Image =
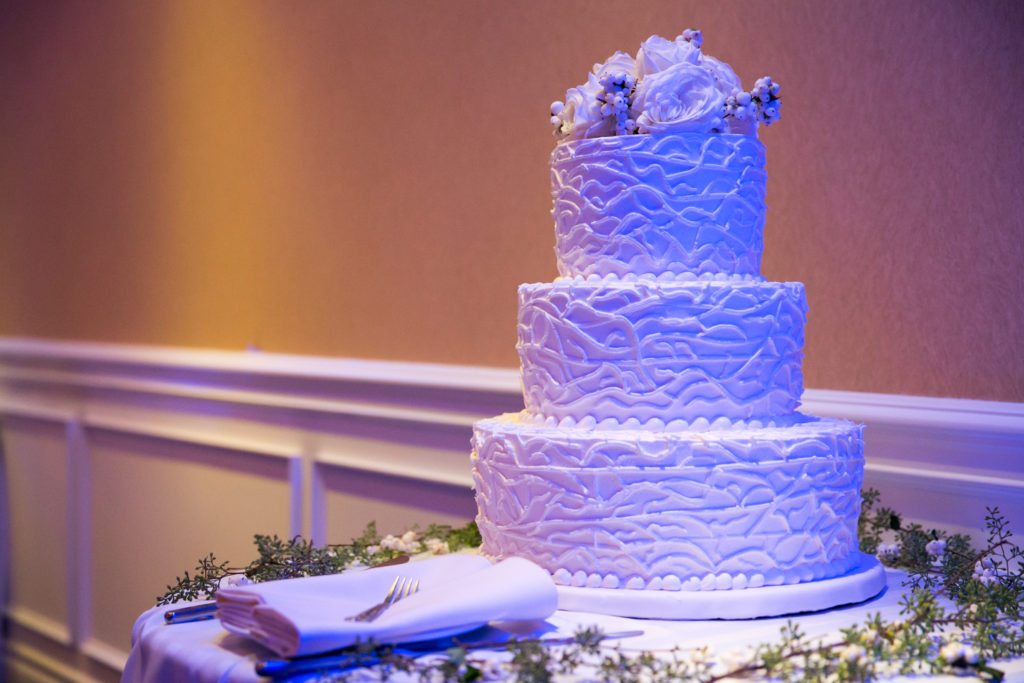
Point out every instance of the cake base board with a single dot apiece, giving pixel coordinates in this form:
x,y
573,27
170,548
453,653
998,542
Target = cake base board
x,y
864,581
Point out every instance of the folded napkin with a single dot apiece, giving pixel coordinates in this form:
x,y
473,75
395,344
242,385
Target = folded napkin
x,y
457,593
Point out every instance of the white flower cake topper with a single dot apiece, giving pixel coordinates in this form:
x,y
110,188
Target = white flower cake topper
x,y
669,87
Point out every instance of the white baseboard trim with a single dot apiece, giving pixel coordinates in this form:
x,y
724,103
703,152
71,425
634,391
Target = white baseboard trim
x,y
43,666
112,657
50,665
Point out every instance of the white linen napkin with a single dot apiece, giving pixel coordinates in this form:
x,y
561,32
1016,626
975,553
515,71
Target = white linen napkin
x,y
457,593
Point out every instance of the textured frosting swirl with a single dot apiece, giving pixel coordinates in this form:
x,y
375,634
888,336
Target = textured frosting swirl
x,y
664,510
688,202
668,350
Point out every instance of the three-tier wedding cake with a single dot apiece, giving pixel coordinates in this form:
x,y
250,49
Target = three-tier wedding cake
x,y
660,467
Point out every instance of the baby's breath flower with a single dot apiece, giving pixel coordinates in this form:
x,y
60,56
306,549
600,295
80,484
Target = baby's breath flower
x,y
888,552
233,581
852,653
492,670
952,651
986,572
437,546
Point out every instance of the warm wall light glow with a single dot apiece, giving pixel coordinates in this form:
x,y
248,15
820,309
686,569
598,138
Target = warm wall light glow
x,y
371,179
223,135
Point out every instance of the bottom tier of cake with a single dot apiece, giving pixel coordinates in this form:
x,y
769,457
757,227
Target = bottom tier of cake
x,y
672,510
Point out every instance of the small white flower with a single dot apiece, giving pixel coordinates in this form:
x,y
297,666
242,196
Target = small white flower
x,y
492,670
986,572
852,653
888,551
234,581
372,550
437,546
936,547
409,536
952,651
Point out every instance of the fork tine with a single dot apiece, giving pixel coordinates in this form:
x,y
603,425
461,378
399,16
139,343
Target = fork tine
x,y
401,583
401,587
392,591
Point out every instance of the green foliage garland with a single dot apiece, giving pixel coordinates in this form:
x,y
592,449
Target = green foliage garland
x,y
962,613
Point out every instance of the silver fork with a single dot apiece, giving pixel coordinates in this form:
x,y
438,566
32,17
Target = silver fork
x,y
401,587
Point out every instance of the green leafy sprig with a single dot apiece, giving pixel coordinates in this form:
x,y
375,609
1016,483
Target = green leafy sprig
x,y
962,613
279,558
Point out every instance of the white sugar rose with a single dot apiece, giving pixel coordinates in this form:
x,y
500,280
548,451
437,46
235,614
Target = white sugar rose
x,y
682,98
620,62
581,117
657,54
725,78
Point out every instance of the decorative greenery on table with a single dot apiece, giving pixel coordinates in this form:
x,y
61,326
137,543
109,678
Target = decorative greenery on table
x,y
963,611
288,559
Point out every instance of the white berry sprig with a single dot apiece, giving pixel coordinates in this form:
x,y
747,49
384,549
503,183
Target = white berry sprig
x,y
740,106
617,99
762,104
766,95
694,37
557,107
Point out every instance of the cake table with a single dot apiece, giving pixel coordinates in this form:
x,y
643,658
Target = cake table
x,y
205,652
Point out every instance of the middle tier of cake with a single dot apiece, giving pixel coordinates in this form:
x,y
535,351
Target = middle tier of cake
x,y
667,351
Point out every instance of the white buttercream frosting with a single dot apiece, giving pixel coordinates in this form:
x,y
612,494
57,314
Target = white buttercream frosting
x,y
667,350
687,203
671,509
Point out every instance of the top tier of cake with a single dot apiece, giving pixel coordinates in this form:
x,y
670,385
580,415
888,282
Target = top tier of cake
x,y
687,203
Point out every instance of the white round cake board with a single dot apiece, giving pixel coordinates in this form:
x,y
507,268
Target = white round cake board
x,y
864,581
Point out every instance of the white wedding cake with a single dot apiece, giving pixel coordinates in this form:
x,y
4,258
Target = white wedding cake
x,y
661,451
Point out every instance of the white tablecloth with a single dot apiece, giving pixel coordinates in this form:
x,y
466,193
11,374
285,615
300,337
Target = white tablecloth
x,y
204,651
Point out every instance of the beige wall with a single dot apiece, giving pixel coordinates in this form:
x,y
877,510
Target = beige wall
x,y
369,179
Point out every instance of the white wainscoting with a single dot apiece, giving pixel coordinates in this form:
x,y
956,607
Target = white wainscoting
x,y
122,465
